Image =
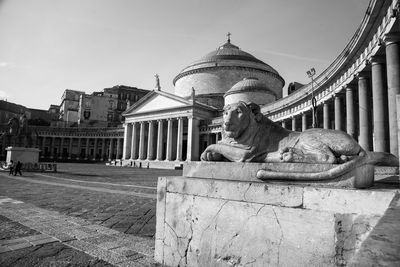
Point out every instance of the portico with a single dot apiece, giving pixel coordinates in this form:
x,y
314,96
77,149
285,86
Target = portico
x,y
164,127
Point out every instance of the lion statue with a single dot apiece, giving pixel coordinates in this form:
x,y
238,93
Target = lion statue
x,y
248,136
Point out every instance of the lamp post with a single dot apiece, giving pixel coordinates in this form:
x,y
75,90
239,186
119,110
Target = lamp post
x,y
311,74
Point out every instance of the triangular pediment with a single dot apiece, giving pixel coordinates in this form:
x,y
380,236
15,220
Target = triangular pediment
x,y
156,101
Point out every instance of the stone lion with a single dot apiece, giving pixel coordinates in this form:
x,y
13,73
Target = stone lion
x,y
248,136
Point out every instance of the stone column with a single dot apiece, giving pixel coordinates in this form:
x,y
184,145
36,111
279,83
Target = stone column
x,y
350,125
103,149
95,149
294,123
363,108
393,83
179,143
326,115
283,123
398,116
209,139
3,151
87,148
338,113
61,148
127,141
379,104
110,150
79,147
119,144
160,140
150,141
43,146
142,153
53,143
70,148
169,140
303,121
193,140
134,141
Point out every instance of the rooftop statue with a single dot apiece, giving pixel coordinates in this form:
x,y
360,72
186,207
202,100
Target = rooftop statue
x,y
18,128
248,136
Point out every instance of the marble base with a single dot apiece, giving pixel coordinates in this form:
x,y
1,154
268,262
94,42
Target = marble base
x,y
152,164
22,154
234,222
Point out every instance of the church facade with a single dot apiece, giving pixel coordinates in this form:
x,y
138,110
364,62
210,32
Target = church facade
x,y
176,127
356,94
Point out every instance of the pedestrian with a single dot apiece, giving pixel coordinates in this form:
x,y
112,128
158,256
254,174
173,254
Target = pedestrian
x,y
18,168
11,166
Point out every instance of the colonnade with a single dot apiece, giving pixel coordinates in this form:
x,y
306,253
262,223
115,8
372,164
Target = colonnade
x,y
171,139
366,107
80,148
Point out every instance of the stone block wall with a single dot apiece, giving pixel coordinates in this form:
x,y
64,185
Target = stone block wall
x,y
218,222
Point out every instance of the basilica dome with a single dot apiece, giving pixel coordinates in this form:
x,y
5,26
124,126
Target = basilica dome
x,y
215,73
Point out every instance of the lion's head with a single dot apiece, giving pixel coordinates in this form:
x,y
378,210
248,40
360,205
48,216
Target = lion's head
x,y
238,117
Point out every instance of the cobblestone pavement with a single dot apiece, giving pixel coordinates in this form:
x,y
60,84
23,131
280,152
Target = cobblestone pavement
x,y
84,215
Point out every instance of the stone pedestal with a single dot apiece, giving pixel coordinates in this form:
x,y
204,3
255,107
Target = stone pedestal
x,y
22,154
244,222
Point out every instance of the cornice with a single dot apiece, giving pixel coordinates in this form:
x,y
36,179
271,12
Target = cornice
x,y
213,68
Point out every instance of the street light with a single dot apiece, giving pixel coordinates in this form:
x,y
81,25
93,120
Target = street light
x,y
311,74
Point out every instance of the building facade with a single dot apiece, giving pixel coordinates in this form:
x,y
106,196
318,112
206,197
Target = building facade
x,y
356,94
98,109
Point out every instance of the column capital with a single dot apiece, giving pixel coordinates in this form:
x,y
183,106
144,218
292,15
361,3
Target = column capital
x,y
391,38
377,59
150,122
349,87
361,75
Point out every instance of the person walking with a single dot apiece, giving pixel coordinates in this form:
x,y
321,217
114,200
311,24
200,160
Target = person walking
x,y
18,168
11,166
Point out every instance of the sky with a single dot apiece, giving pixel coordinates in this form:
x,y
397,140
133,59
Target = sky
x,y
47,46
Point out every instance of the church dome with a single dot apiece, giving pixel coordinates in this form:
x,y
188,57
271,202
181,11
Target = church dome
x,y
250,90
229,51
215,73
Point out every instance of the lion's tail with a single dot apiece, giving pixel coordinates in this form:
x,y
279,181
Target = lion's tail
x,y
370,158
266,174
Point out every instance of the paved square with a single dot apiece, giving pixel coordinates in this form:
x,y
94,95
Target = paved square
x,y
83,207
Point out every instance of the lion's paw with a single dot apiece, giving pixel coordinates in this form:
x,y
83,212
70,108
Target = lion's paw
x,y
211,156
287,156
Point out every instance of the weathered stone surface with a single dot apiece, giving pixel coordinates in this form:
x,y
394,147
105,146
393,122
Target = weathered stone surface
x,y
368,202
160,214
278,195
221,222
213,232
351,231
382,246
